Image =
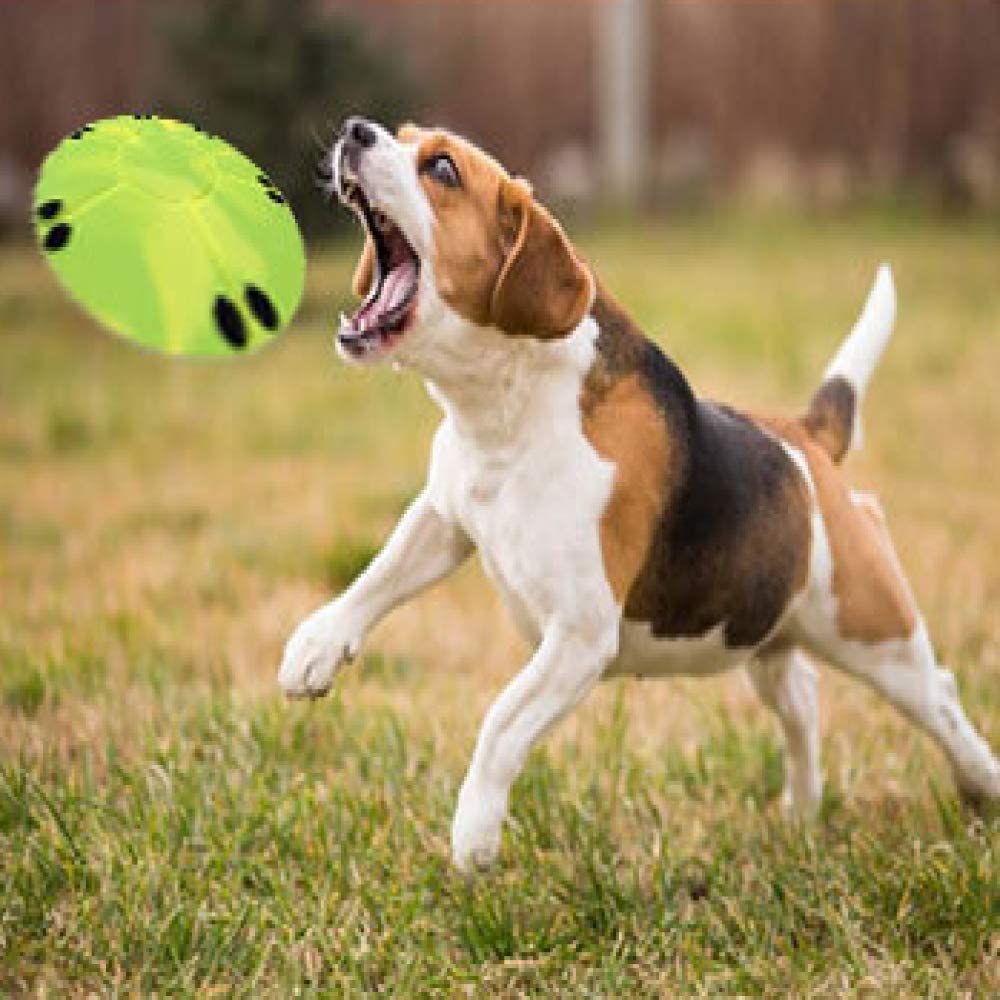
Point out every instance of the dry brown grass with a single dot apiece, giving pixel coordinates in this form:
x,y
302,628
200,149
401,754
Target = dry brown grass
x,y
164,524
189,507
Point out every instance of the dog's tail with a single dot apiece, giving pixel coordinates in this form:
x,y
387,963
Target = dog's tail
x,y
833,418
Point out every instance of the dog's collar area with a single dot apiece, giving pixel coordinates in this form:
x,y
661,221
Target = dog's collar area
x,y
382,318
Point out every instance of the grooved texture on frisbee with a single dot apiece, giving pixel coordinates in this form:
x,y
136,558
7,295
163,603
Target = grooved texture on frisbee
x,y
169,236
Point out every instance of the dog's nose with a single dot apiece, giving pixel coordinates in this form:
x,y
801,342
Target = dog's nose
x,y
358,132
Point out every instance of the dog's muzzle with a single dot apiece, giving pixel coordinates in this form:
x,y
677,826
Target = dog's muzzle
x,y
389,308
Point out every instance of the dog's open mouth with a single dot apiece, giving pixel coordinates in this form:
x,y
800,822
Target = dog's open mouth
x,y
383,317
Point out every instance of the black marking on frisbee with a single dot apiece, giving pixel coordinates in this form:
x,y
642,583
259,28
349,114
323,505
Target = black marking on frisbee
x,y
49,209
229,322
262,307
57,237
276,196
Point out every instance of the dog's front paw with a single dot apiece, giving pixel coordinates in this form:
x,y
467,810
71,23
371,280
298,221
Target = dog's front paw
x,y
318,648
475,832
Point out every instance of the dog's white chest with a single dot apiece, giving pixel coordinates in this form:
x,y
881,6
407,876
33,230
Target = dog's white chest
x,y
526,535
489,501
533,515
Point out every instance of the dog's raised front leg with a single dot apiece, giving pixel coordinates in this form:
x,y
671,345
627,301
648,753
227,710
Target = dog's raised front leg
x,y
423,549
565,666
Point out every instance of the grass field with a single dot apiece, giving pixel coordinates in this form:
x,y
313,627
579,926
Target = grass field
x,y
168,825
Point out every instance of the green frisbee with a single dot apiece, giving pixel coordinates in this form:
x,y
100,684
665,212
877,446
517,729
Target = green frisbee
x,y
169,236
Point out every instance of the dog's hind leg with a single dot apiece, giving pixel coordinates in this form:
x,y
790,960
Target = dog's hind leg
x,y
786,683
862,618
908,675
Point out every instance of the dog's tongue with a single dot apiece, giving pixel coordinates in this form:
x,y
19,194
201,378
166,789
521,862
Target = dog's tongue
x,y
395,287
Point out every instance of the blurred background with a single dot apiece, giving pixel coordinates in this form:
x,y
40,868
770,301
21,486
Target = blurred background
x,y
818,105
735,170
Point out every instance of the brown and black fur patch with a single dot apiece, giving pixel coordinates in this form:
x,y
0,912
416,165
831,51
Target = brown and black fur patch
x,y
735,548
729,542
830,417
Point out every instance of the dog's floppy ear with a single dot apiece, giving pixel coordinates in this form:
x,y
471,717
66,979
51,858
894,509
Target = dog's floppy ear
x,y
543,289
365,269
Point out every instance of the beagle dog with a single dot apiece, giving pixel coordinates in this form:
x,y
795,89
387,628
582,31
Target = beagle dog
x,y
630,526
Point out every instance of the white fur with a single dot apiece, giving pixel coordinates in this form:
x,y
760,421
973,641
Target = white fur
x,y
646,655
512,443
857,357
422,550
904,671
509,452
786,683
513,475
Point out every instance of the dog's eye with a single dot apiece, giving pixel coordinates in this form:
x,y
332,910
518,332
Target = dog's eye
x,y
442,168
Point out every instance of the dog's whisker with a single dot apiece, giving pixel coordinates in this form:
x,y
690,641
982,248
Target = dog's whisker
x,y
324,145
